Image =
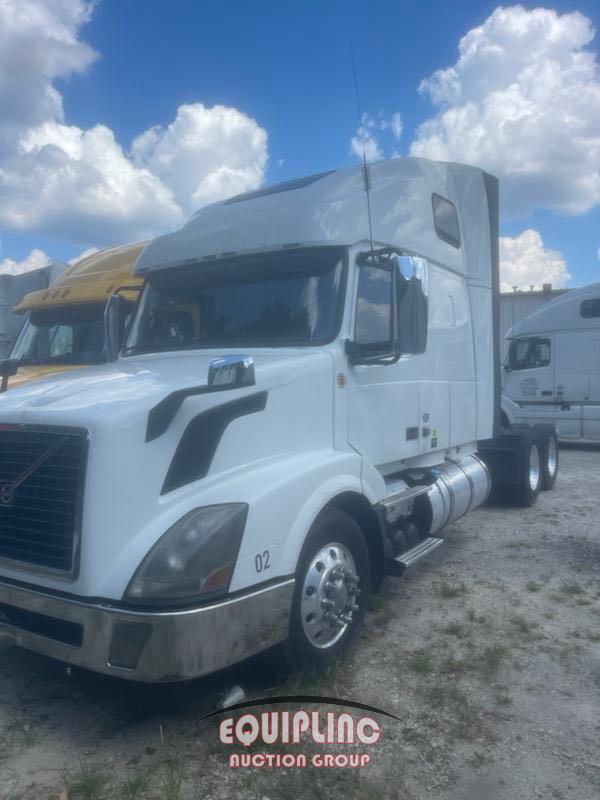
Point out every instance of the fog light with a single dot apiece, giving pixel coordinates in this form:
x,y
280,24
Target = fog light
x,y
128,641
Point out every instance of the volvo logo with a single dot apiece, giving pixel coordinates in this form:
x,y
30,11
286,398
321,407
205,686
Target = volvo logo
x,y
7,494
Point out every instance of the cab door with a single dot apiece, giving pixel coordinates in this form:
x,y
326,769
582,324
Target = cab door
x,y
384,393
529,380
529,369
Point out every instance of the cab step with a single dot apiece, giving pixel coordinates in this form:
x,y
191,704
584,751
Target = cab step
x,y
419,551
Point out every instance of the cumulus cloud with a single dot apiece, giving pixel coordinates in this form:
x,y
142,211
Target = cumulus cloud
x,y
35,260
38,44
396,125
205,154
82,184
364,143
79,184
366,138
525,262
89,251
523,101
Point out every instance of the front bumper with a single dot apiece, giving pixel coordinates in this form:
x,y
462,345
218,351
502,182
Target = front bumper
x,y
146,646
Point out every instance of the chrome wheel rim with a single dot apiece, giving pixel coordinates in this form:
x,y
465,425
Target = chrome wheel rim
x,y
329,593
534,467
552,457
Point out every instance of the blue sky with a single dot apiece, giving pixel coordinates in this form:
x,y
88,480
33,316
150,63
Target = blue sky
x,y
286,66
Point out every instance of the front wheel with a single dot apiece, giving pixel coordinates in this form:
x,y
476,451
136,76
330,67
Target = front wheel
x,y
331,593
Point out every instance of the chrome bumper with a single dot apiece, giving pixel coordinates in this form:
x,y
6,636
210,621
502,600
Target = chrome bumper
x,y
146,646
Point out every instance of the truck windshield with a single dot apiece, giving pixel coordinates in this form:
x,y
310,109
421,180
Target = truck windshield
x,y
62,336
271,300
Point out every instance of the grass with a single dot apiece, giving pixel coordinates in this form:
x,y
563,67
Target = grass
x,y
571,588
173,781
493,657
450,590
314,682
532,586
503,699
378,601
521,623
453,665
133,787
556,597
12,793
421,662
457,705
87,783
455,629
412,736
479,759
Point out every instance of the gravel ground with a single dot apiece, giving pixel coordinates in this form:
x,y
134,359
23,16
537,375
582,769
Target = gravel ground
x,y
488,653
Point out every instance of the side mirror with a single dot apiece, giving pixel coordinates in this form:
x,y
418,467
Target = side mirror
x,y
8,368
507,367
231,372
114,321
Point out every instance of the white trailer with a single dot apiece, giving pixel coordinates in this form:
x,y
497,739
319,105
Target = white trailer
x,y
552,371
12,289
308,394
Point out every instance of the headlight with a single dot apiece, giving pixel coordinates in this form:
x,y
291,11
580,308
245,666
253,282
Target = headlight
x,y
194,558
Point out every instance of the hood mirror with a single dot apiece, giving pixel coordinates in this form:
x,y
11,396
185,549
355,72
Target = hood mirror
x,y
231,372
8,368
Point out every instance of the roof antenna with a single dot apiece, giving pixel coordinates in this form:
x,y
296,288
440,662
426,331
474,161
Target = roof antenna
x,y
366,177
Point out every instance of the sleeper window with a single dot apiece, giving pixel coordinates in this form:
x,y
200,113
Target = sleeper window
x,y
445,220
590,308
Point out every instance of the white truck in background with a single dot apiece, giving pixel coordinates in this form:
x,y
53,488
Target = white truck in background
x,y
552,370
308,395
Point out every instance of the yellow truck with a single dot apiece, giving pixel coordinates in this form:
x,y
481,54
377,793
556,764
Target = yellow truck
x,y
65,327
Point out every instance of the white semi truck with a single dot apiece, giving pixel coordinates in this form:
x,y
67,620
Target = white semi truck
x,y
308,394
552,371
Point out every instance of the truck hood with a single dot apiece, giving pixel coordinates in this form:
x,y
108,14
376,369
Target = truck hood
x,y
127,504
35,372
132,386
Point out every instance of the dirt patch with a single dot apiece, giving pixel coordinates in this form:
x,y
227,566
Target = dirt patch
x,y
488,653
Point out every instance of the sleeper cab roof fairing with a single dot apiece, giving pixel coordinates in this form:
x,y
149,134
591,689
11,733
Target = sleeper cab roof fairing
x,y
89,280
330,209
562,313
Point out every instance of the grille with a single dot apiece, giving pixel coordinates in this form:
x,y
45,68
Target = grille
x,y
41,486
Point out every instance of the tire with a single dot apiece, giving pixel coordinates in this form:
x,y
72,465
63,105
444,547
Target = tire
x,y
334,541
549,453
530,469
